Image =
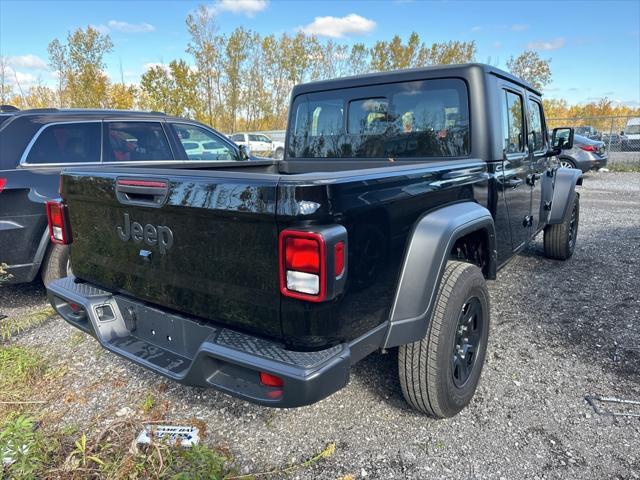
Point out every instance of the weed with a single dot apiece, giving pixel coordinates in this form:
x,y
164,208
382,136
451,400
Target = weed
x,y
624,167
22,448
19,367
4,275
148,403
77,338
12,326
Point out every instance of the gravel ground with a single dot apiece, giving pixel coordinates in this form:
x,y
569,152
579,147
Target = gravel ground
x,y
561,330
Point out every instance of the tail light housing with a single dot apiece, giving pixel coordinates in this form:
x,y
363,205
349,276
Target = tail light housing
x,y
313,264
59,226
589,148
3,183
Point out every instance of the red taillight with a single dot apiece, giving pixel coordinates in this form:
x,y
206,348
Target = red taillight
x,y
302,265
338,259
588,148
58,218
269,380
3,182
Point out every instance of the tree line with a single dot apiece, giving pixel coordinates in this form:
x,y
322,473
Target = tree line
x,y
236,81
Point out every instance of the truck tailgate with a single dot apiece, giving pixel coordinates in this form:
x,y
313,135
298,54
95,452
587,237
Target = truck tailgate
x,y
205,245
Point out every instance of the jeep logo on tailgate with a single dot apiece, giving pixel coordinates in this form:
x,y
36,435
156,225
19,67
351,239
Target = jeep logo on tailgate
x,y
150,234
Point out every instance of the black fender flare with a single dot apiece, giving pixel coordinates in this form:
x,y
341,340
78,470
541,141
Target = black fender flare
x,y
564,193
426,255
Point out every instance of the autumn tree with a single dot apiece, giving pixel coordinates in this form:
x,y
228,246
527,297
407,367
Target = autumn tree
x,y
172,89
531,68
121,96
80,66
6,88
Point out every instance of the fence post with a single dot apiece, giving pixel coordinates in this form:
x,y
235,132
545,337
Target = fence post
x,y
610,135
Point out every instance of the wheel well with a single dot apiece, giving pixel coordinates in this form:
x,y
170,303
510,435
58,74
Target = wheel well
x,y
474,248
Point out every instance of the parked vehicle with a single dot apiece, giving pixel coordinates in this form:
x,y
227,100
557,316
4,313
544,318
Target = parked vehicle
x,y
585,155
631,135
399,196
589,132
35,145
260,144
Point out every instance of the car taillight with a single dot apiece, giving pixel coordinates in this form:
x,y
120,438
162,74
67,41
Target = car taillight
x,y
3,182
302,265
338,259
588,148
59,226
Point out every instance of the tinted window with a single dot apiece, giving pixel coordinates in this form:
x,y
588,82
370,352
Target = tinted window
x,y
411,119
67,143
536,132
135,141
201,144
512,125
254,138
237,137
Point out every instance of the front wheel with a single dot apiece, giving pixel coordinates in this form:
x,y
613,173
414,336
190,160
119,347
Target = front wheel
x,y
57,263
279,155
560,239
439,374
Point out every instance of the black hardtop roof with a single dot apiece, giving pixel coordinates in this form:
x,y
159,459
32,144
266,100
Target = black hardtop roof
x,y
407,75
87,111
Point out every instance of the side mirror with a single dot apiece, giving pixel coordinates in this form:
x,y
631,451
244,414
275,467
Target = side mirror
x,y
621,132
245,152
562,139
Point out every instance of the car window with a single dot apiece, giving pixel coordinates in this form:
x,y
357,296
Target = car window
x,y
254,138
67,143
427,118
201,144
512,123
135,141
536,132
237,137
264,138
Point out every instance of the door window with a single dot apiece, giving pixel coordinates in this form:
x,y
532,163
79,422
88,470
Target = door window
x,y
67,143
201,144
254,138
536,130
237,137
135,141
512,123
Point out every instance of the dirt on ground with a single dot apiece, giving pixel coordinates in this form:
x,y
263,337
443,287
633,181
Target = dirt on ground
x,y
561,331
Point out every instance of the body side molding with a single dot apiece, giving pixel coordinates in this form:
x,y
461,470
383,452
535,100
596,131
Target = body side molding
x,y
428,249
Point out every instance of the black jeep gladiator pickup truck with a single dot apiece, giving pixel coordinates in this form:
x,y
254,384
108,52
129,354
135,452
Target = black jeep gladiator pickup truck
x,y
399,196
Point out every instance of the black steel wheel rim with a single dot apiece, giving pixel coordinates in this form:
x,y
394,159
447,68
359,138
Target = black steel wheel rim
x,y
467,341
572,227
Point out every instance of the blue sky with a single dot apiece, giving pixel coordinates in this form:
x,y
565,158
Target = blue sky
x,y
594,45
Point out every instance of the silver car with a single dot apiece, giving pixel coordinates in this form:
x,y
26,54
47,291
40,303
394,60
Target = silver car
x,y
585,155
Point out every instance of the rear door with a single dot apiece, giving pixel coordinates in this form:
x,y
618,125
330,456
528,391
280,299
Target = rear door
x,y
202,243
517,164
537,145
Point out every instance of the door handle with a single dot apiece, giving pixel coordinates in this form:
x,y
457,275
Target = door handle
x,y
142,192
531,179
514,183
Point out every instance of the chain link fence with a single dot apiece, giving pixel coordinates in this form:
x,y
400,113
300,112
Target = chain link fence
x,y
620,135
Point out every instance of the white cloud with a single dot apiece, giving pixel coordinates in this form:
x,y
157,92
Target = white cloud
x,y
549,45
20,80
239,7
476,29
130,27
520,27
28,61
338,27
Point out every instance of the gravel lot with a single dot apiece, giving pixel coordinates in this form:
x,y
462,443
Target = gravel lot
x,y
560,331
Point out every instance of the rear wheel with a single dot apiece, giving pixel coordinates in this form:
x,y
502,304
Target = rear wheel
x,y
439,374
566,163
57,263
279,155
560,239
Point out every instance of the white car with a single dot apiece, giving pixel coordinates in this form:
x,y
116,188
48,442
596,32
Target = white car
x,y
260,144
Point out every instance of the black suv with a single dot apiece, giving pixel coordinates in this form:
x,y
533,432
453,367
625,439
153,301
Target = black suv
x,y
36,145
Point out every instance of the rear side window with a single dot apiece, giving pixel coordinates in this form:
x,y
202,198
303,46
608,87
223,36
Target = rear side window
x,y
512,123
536,130
200,144
427,118
67,143
135,141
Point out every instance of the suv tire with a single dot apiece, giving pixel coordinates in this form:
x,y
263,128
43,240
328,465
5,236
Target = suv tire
x,y
560,239
439,374
57,263
279,154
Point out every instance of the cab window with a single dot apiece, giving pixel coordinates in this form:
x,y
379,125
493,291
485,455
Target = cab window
x,y
135,142
67,143
512,123
201,144
536,131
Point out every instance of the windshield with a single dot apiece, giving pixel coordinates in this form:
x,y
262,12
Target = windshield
x,y
632,129
427,118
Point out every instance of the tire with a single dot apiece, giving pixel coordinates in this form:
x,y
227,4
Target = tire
x,y
279,154
560,239
431,375
565,162
57,263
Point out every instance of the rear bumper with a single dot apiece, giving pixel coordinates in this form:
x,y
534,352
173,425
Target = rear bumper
x,y
196,353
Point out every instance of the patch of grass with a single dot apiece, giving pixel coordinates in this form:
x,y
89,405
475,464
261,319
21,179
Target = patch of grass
x,y
77,338
24,446
12,326
19,367
624,167
4,275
